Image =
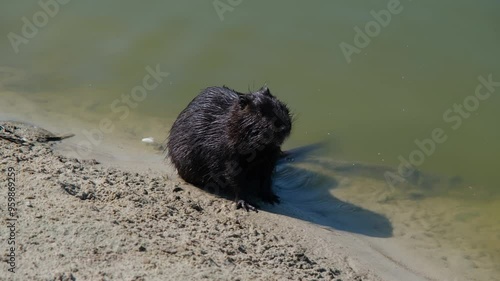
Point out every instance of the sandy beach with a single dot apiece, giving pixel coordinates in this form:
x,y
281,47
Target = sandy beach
x,y
120,212
79,220
109,219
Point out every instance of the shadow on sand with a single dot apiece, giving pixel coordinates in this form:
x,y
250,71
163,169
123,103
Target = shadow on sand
x,y
305,194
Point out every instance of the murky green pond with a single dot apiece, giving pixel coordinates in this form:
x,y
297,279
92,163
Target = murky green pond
x,y
385,83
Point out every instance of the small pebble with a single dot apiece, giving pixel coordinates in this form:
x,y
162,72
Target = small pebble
x,y
148,140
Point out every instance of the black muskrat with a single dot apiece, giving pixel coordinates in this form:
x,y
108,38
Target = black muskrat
x,y
229,142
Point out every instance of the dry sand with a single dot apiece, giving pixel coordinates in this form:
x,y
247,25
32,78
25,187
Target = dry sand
x,y
79,219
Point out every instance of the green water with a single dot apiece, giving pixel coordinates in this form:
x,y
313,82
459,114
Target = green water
x,y
394,91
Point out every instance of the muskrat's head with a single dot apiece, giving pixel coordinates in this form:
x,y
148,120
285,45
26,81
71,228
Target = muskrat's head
x,y
267,120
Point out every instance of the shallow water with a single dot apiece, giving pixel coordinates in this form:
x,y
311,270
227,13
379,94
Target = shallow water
x,y
370,107
427,219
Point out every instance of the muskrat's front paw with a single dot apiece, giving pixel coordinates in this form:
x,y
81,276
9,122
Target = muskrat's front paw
x,y
245,205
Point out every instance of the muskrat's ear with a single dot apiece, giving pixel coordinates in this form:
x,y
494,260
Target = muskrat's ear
x,y
265,91
244,100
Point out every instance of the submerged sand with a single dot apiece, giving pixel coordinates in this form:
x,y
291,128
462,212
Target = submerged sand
x,y
82,220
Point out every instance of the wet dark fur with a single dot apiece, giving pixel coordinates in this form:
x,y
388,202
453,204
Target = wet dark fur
x,y
228,142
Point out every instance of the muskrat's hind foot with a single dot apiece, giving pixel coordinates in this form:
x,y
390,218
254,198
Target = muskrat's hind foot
x,y
243,204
